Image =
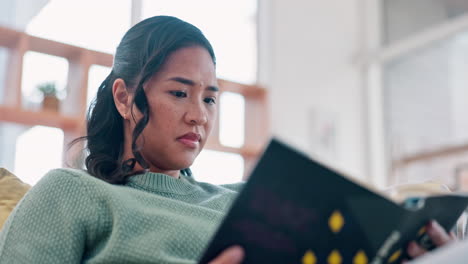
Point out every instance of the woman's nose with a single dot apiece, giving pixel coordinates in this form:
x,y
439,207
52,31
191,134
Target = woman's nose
x,y
196,114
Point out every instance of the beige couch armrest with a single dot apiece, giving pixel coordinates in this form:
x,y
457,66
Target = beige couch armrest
x,y
12,190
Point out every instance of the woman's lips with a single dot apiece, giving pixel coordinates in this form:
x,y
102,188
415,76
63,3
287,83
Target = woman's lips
x,y
191,140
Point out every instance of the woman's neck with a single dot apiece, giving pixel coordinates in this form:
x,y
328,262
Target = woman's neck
x,y
172,173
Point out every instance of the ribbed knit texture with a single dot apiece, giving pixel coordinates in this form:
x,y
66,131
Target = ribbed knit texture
x,y
72,217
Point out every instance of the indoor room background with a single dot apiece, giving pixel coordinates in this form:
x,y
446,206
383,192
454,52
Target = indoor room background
x,y
375,88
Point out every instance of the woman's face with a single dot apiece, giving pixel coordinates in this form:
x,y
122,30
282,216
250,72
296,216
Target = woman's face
x,y
182,100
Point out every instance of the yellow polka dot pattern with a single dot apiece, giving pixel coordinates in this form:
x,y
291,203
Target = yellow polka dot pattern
x,y
336,222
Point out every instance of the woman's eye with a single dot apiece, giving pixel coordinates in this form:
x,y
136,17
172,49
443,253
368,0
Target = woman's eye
x,y
179,94
210,100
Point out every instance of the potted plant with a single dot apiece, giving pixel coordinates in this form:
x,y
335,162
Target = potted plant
x,y
50,100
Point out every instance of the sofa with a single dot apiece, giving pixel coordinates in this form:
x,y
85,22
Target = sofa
x,y
12,190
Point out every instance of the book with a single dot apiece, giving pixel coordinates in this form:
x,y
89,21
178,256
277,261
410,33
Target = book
x,y
296,210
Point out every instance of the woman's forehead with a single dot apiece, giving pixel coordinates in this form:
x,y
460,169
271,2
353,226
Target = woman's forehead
x,y
193,63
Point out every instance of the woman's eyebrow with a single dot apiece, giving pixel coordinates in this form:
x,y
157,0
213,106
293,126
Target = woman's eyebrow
x,y
192,83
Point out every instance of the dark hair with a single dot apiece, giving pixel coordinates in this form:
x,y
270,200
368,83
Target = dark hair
x,y
140,54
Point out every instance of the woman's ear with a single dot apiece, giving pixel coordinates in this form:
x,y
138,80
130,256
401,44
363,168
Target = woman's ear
x,y
122,98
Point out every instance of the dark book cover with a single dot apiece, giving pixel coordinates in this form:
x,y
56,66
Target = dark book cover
x,y
295,210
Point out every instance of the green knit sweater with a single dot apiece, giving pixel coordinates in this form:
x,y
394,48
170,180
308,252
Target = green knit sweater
x,y
72,217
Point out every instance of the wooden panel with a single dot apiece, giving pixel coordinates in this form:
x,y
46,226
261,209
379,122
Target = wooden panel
x,y
9,37
100,58
246,90
428,155
44,118
77,86
14,72
244,151
54,48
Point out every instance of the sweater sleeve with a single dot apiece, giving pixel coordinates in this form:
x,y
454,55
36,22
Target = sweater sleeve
x,y
50,223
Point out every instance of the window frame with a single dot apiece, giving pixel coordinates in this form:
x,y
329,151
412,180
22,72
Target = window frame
x,y
382,169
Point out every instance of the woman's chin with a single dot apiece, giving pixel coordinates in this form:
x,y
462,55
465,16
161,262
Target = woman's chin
x,y
186,163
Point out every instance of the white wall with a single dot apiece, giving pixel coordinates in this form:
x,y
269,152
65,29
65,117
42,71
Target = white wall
x,y
306,58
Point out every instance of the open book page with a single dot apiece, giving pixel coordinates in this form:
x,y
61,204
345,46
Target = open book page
x,y
399,193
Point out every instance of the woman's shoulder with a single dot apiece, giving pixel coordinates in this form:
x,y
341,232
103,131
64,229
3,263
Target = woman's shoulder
x,y
62,180
69,174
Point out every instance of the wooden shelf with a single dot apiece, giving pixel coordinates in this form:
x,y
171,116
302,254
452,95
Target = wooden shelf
x,y
44,118
67,123
442,152
246,152
246,90
9,37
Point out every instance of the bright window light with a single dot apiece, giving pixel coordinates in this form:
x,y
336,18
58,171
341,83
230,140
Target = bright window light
x,y
40,68
97,74
229,25
97,25
3,66
218,167
231,119
38,150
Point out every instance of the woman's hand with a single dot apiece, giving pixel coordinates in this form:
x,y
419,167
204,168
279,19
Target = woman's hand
x,y
438,236
232,255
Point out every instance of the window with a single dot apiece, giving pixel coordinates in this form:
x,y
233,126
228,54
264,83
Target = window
x,y
427,98
8,135
218,167
97,25
231,118
420,72
97,74
3,64
38,150
38,69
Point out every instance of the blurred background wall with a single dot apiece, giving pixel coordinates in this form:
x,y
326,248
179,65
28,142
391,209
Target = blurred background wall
x,y
377,88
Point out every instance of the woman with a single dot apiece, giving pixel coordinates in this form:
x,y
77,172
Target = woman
x,y
136,202
151,118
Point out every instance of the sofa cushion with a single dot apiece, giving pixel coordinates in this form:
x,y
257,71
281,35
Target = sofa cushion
x,y
12,190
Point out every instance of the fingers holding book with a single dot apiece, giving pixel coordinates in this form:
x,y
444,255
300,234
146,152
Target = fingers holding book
x,y
438,236
231,255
